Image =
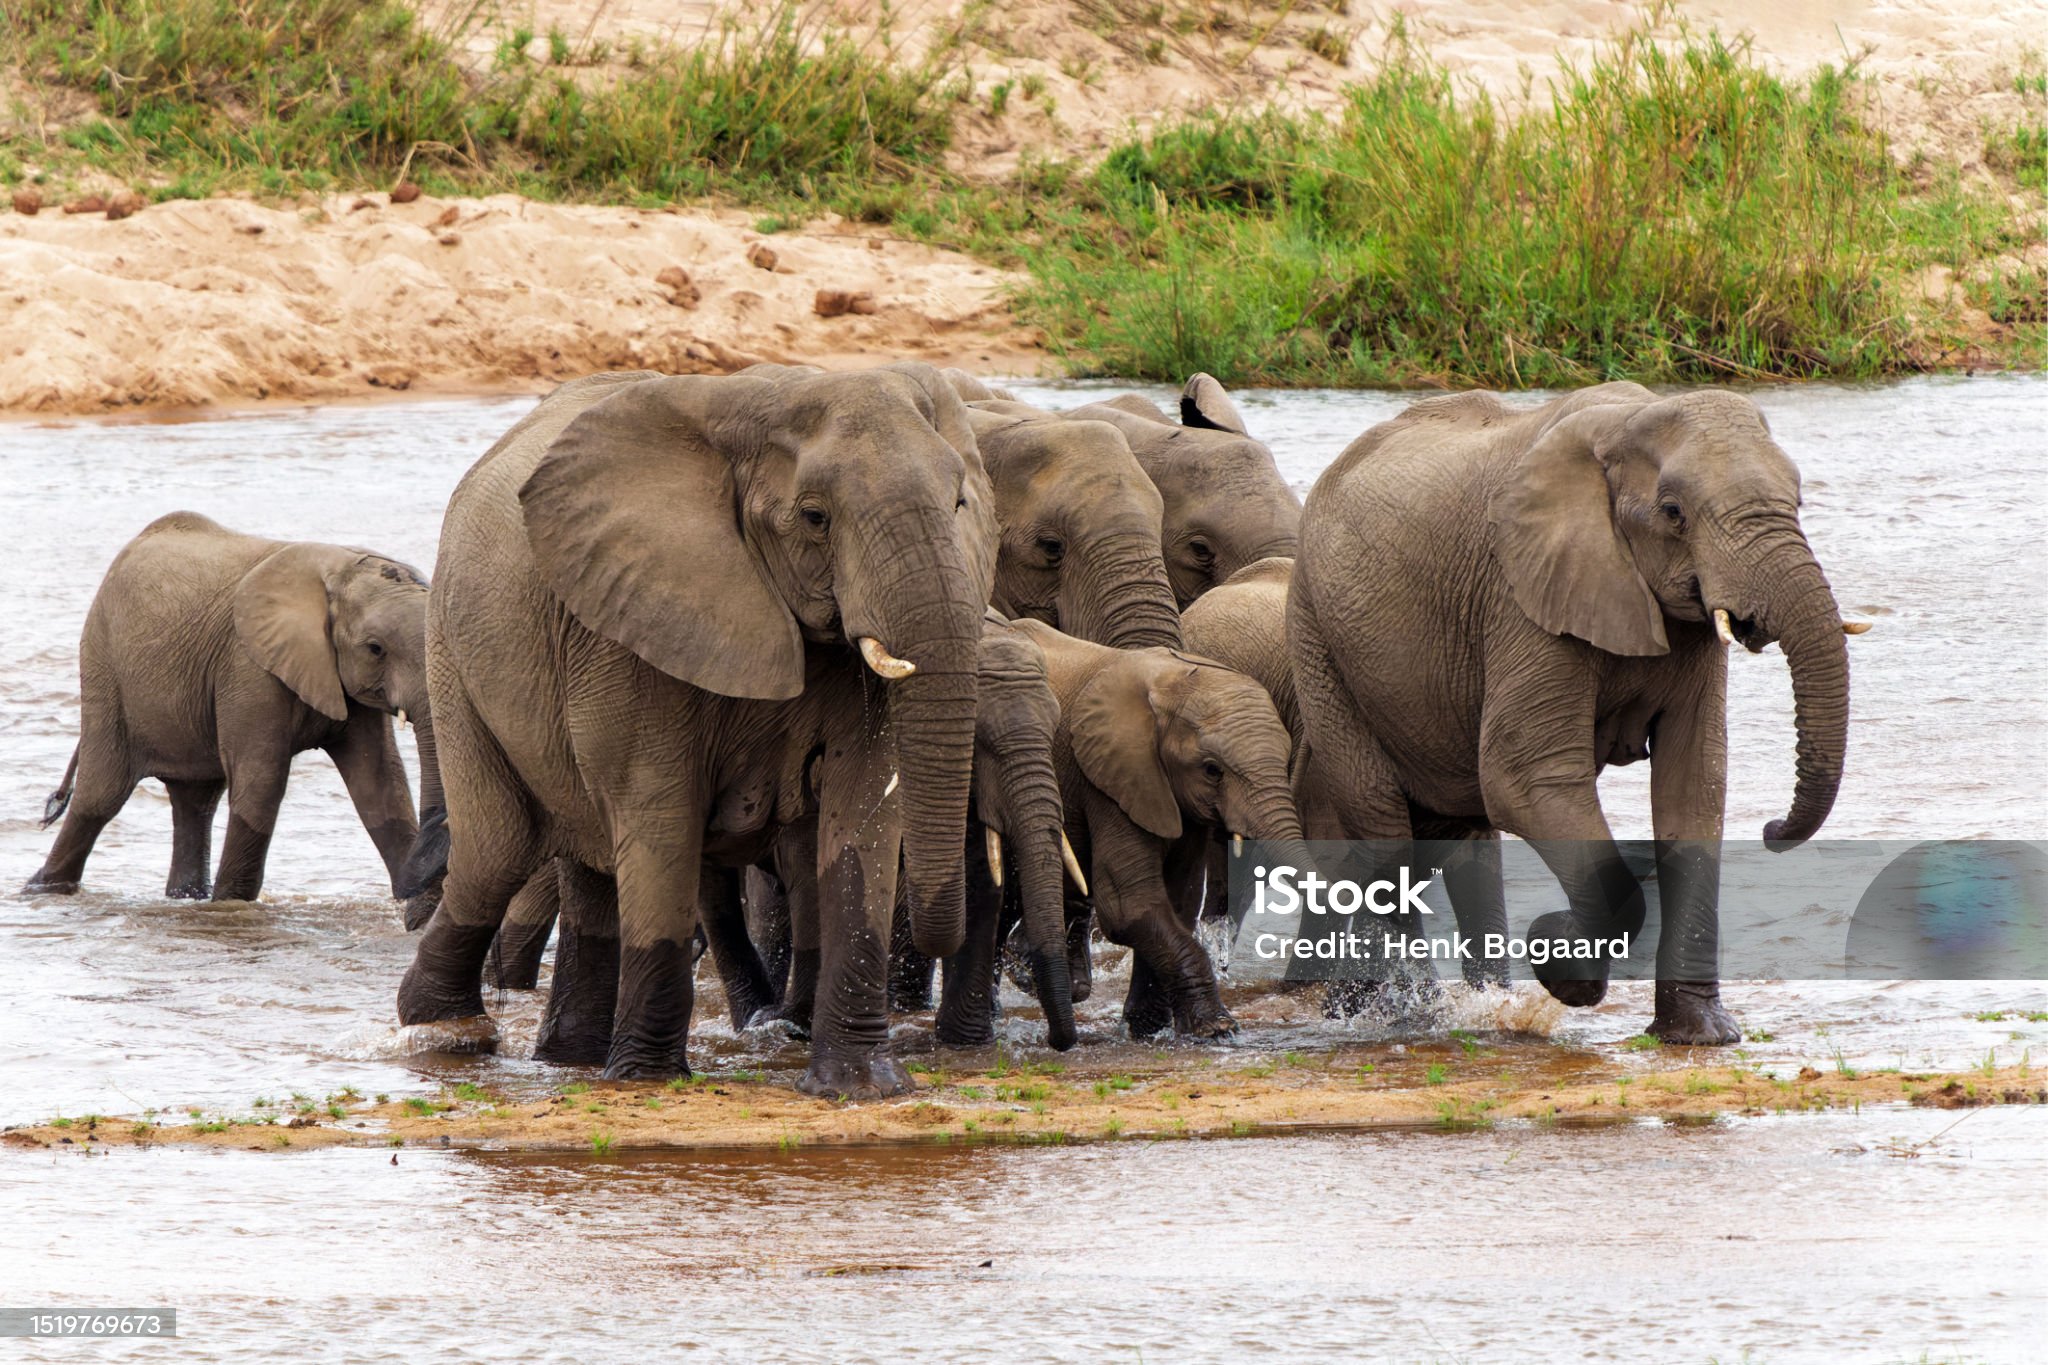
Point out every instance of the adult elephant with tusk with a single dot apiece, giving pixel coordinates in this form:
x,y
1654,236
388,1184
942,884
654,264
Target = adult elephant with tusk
x,y
1492,604
208,659
674,611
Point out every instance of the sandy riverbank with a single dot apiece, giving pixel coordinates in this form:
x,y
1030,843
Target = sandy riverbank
x,y
1450,1083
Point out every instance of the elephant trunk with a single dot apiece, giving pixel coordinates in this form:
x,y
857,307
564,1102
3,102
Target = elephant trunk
x,y
1121,597
929,615
1808,623
431,797
1033,798
426,863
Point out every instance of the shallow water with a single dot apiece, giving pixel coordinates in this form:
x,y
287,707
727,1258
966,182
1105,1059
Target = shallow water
x,y
1922,500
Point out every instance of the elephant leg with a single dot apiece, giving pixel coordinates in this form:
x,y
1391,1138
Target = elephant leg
x,y
1688,780
766,904
496,853
796,857
910,972
192,808
858,844
659,886
102,785
1080,957
576,1029
967,999
1472,879
256,782
366,754
1129,886
1345,785
1148,1005
740,970
514,961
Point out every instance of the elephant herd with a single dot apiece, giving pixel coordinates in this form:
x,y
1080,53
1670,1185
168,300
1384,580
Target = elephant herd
x,y
839,675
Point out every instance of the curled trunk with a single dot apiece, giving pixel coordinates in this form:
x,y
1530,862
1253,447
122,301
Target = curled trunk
x,y
1121,596
1808,623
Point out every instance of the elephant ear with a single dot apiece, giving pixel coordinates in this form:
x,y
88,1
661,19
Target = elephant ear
x,y
976,522
1554,534
1115,725
280,610
634,520
1206,403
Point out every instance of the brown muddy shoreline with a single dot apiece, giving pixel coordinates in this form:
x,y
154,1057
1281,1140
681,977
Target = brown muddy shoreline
x,y
1457,1084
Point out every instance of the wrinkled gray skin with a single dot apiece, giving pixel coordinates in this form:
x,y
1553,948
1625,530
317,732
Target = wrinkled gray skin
x,y
209,658
1017,796
1226,504
641,635
1493,604
1081,528
1156,751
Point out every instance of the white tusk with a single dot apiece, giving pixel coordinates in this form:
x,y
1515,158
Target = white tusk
x,y
1855,627
1236,844
1073,864
882,661
1721,626
403,719
889,790
995,855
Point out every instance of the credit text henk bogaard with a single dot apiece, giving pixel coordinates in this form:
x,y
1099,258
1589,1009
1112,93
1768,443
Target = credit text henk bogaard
x,y
1287,890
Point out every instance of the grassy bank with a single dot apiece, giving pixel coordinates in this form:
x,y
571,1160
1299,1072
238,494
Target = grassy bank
x,y
1672,212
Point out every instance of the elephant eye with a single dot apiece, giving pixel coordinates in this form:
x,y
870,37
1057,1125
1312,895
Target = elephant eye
x,y
1052,548
1201,550
376,649
1212,770
1672,513
815,517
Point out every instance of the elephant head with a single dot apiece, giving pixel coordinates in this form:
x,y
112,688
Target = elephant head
x,y
1017,797
1162,733
713,526
1226,504
337,625
1080,526
1629,511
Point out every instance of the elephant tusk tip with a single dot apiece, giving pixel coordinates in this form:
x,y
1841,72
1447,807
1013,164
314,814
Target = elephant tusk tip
x,y
404,721
1236,844
1723,627
890,790
884,663
1856,627
1073,864
995,855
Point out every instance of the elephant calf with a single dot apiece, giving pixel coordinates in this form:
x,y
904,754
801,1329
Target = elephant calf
x,y
209,658
1158,751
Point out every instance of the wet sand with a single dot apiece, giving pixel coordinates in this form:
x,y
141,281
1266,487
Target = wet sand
x,y
1453,1083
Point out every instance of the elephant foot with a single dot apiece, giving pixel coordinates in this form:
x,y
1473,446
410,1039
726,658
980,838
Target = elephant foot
x,y
188,890
417,910
422,1000
1690,1014
472,1035
965,1028
1207,1027
636,1061
872,1078
1576,983
40,886
566,1044
794,1019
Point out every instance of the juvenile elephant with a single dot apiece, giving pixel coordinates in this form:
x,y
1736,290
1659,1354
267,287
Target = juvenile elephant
x,y
1492,604
1242,623
1157,750
1226,504
1080,526
209,658
667,615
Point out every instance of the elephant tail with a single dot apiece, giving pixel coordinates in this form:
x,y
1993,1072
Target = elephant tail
x,y
60,800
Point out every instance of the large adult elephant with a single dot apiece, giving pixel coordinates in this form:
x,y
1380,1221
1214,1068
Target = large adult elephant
x,y
1226,504
652,592
1492,604
209,658
1157,751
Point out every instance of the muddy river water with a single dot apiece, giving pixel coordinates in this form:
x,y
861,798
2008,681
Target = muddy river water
x,y
1889,1233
